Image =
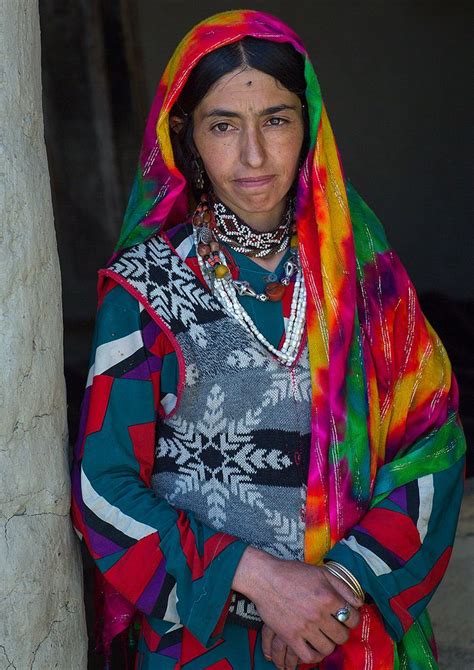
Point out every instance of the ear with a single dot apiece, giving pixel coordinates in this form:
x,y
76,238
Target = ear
x,y
176,124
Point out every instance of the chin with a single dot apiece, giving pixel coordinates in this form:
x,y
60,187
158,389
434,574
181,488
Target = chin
x,y
258,202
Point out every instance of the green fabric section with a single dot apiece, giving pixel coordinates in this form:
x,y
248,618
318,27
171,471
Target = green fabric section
x,y
437,451
414,651
137,208
369,235
353,449
314,100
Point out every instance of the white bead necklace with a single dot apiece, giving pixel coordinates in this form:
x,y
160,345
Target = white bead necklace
x,y
225,291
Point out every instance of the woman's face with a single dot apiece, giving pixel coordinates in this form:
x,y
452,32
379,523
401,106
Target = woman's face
x,y
248,130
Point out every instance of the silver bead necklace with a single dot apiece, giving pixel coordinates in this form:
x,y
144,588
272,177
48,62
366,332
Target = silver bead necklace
x,y
226,290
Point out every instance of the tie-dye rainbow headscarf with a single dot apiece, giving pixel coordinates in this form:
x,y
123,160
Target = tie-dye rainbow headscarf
x,y
383,396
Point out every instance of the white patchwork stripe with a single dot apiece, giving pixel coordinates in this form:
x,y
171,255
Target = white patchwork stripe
x,y
184,248
171,613
109,354
426,490
111,514
168,402
375,563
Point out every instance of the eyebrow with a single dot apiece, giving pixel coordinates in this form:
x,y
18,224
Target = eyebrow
x,y
269,110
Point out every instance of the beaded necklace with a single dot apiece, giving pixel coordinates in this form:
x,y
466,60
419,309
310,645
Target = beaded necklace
x,y
232,230
213,265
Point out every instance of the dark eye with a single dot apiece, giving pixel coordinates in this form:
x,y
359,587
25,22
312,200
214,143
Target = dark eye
x,y
276,121
221,127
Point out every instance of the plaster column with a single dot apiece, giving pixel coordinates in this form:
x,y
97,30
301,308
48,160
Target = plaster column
x,y
41,612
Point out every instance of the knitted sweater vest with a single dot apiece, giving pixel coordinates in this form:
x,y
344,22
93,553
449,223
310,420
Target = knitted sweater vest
x,y
234,451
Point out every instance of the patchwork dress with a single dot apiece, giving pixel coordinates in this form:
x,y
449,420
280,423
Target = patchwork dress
x,y
195,444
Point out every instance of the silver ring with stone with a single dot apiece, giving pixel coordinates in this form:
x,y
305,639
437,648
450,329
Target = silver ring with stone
x,y
343,614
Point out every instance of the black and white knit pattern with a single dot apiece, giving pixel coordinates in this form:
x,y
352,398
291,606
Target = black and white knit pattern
x,y
170,286
235,453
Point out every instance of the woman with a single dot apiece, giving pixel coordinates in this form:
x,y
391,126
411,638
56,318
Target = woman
x,y
270,434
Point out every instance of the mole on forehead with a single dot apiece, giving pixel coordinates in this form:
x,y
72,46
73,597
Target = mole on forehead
x,y
249,83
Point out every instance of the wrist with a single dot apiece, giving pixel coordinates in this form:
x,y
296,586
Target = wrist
x,y
343,574
252,572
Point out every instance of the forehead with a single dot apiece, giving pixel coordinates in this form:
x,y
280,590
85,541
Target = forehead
x,y
246,87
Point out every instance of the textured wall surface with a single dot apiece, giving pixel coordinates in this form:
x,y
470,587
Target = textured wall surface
x,y
41,612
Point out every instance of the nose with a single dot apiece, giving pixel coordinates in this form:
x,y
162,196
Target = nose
x,y
253,148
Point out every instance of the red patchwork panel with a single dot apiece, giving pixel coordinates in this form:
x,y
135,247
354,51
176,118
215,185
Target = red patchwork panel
x,y
192,649
253,634
161,346
156,383
131,574
150,636
100,394
143,440
393,530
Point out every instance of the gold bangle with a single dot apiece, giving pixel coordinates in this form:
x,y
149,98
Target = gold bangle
x,y
356,583
345,571
341,578
347,577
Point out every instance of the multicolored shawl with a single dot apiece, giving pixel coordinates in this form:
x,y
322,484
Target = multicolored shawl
x,y
384,399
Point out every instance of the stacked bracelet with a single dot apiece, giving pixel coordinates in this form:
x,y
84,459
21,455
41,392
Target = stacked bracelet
x,y
347,577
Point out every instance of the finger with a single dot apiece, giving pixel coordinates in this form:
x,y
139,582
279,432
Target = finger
x,y
336,631
339,632
278,652
267,637
321,643
291,659
307,653
354,619
350,623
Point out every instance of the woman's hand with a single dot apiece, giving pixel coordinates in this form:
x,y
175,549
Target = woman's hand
x,y
276,650
297,601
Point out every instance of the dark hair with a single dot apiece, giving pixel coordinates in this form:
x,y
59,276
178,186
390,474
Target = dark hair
x,y
277,59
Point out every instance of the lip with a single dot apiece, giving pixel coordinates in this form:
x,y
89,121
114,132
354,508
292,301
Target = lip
x,y
254,182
